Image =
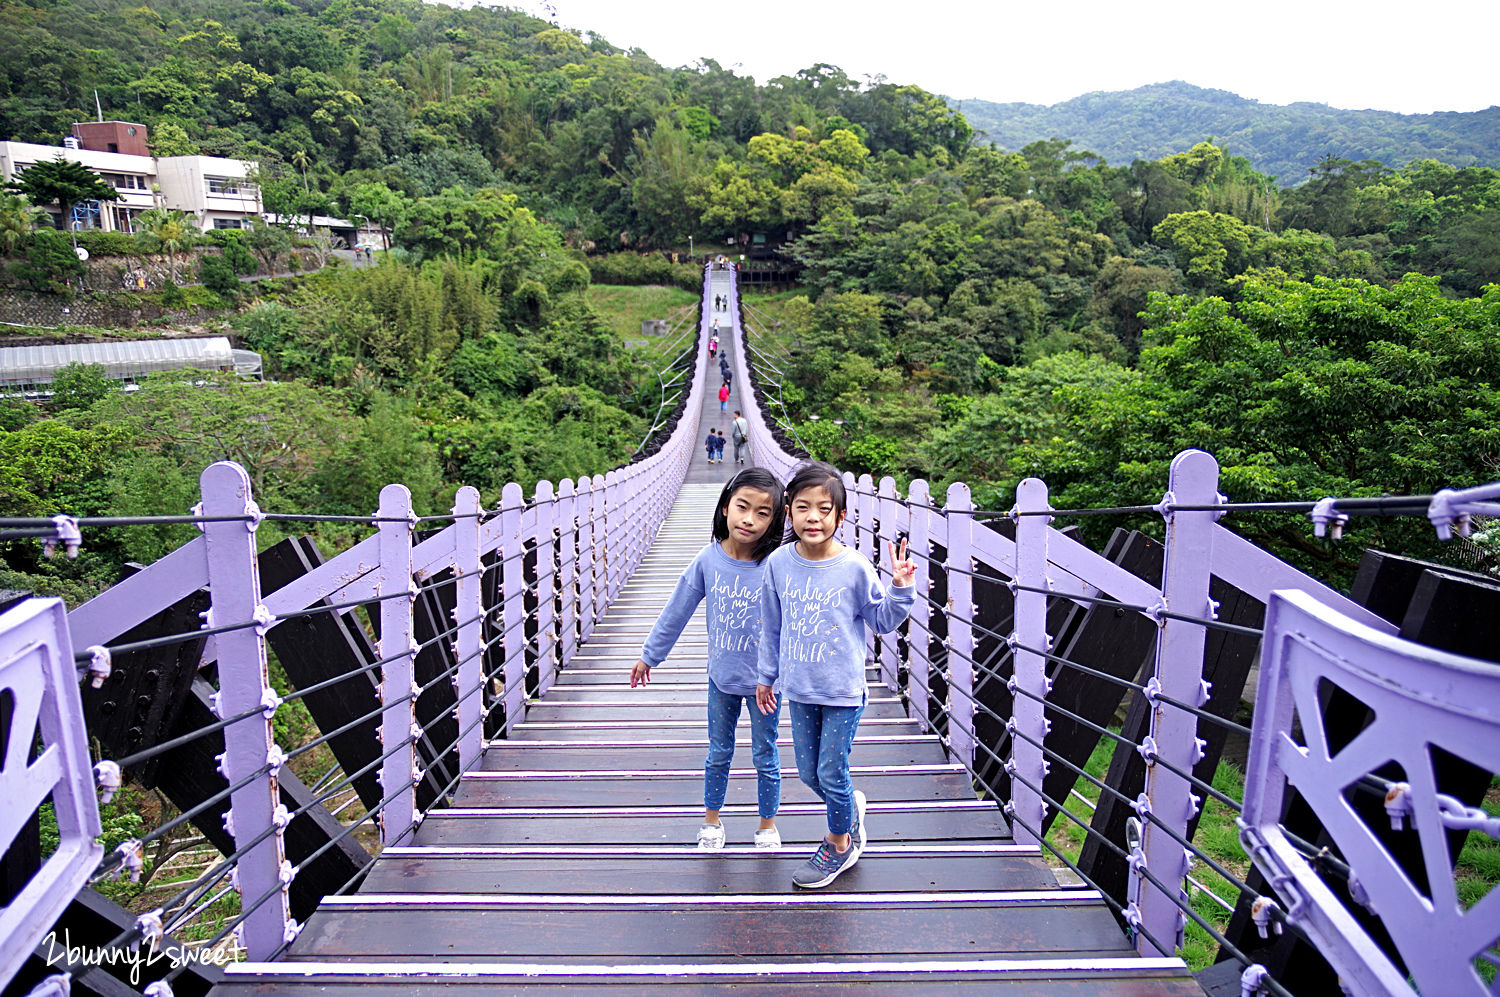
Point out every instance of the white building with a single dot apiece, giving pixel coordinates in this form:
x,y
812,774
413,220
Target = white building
x,y
215,191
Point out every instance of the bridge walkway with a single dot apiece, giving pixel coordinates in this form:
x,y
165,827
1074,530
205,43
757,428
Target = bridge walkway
x,y
567,858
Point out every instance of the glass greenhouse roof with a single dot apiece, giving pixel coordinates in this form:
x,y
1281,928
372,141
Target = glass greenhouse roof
x,y
37,365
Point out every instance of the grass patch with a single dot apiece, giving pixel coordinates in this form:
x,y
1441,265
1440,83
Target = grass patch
x,y
1217,836
625,308
763,309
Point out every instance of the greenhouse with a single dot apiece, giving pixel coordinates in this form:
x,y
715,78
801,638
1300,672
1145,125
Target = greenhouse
x,y
31,369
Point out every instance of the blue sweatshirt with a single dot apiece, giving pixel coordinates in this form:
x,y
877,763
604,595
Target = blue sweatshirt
x,y
733,592
813,619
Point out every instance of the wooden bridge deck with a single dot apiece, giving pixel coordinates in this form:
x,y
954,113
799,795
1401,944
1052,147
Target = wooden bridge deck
x,y
567,862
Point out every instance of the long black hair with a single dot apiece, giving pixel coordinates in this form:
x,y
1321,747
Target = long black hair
x,y
762,481
817,474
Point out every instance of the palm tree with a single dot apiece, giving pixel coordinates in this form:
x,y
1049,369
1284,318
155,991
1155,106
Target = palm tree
x,y
18,219
167,231
302,161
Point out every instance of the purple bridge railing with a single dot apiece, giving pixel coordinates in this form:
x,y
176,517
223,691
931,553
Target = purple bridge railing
x,y
589,535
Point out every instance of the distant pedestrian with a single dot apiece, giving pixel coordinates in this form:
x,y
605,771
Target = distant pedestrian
x,y
740,433
713,346
720,452
724,397
711,444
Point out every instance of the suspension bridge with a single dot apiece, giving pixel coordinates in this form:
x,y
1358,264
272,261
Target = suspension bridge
x,y
506,813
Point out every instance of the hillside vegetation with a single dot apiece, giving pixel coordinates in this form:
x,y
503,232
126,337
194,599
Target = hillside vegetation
x,y
1284,142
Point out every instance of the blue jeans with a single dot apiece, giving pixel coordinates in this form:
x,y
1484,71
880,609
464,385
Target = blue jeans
x,y
823,736
723,717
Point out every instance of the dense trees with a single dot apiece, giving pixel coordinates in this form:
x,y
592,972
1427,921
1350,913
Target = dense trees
x,y
970,311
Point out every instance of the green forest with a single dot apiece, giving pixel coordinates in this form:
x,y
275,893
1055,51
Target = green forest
x,y
1283,141
963,311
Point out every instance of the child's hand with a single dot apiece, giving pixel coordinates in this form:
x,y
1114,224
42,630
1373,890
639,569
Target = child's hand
x,y
765,698
640,674
903,568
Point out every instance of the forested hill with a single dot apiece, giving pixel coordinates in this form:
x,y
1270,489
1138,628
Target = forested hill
x,y
1283,141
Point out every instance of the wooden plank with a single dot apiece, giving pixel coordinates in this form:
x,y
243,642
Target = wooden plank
x,y
951,930
1115,641
902,826
623,730
547,710
739,873
318,647
1042,983
189,775
537,757
433,614
687,791
138,706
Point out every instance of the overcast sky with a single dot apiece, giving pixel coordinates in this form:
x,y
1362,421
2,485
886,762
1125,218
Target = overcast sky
x,y
1413,58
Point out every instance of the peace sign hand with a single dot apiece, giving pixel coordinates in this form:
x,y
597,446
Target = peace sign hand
x,y
903,568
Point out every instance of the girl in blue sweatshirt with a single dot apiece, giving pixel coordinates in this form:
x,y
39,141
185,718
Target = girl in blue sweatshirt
x,y
817,599
747,527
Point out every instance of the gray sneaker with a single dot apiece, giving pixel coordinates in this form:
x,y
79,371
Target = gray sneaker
x,y
825,866
858,831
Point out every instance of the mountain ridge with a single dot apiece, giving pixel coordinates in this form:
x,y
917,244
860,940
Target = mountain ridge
x,y
1281,140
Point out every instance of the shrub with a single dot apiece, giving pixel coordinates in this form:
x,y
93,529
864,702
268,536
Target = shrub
x,y
634,268
171,294
217,274
50,262
109,243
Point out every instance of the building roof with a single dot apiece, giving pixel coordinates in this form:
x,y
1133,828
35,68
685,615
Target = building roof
x,y
34,365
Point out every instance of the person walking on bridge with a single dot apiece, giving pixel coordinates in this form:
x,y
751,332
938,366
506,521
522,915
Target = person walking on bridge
x,y
747,526
739,434
816,599
724,397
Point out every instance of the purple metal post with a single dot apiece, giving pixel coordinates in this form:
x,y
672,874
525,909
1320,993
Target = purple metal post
x,y
1028,717
513,601
960,642
864,539
918,664
609,550
546,579
846,532
599,555
1179,674
588,557
398,649
889,510
36,667
567,569
468,616
244,685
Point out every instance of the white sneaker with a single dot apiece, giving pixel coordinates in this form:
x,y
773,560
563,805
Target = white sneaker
x,y
710,837
768,838
859,817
